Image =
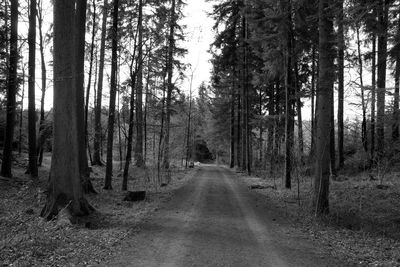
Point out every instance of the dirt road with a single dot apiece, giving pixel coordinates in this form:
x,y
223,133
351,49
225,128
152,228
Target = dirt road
x,y
215,220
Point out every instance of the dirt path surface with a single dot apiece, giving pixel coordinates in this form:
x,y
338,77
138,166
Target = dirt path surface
x,y
215,220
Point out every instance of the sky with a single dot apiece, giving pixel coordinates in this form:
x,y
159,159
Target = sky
x,y
199,37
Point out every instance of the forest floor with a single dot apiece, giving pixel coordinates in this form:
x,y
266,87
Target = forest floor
x,y
364,221
28,240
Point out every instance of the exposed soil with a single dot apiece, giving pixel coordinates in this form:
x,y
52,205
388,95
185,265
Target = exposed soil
x,y
28,240
215,220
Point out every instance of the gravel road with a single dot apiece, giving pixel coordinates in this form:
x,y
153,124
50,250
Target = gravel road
x,y
215,220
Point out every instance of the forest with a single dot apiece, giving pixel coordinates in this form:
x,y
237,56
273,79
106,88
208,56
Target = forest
x,y
104,134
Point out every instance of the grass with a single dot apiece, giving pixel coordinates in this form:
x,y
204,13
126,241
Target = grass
x,y
28,240
364,221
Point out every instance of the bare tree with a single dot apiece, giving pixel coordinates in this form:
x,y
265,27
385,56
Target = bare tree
x,y
11,92
65,187
32,166
324,94
113,89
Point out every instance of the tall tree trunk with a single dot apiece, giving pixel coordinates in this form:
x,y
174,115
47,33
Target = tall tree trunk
x,y
381,81
32,166
189,122
238,128
79,78
139,93
373,97
332,147
313,74
97,118
324,94
289,96
395,125
113,88
299,105
232,149
146,103
44,78
21,111
130,134
65,188
11,92
170,86
364,139
271,125
133,70
341,47
90,79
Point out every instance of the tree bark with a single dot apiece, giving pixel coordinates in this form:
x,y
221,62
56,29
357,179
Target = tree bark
x,y
113,89
289,96
364,139
12,83
65,188
21,111
373,97
97,118
170,86
324,94
79,77
32,166
395,124
341,47
139,92
44,78
381,80
90,79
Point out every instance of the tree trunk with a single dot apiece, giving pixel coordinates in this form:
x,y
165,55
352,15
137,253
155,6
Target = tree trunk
x,y
21,111
79,68
299,105
139,93
381,81
238,129
341,47
90,79
32,166
170,86
395,125
373,97
12,83
332,147
65,188
289,96
313,74
189,122
97,118
364,139
324,94
130,134
232,150
113,88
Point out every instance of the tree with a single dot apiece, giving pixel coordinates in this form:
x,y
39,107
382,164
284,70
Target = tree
x,y
11,92
341,47
139,92
383,10
113,90
32,167
65,187
170,85
324,94
44,77
396,50
97,119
